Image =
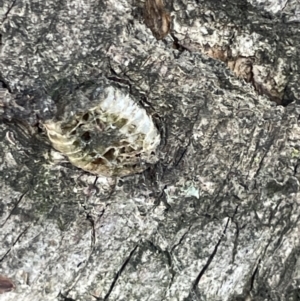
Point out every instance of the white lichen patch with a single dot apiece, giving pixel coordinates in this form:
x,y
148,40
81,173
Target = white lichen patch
x,y
114,138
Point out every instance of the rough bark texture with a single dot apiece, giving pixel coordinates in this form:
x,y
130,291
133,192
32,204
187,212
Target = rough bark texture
x,y
217,217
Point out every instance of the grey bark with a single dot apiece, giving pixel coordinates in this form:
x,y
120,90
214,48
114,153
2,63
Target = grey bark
x,y
217,217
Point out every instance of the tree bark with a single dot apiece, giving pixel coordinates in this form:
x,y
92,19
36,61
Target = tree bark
x,y
215,216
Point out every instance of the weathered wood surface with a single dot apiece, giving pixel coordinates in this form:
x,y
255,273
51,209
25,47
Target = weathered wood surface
x,y
217,218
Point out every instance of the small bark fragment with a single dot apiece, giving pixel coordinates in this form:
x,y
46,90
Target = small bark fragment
x,y
156,18
6,285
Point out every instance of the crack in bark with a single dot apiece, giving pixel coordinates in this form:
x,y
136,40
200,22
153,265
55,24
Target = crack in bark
x,y
237,232
210,259
168,255
89,217
253,275
172,271
17,239
181,239
182,151
295,169
284,6
8,11
226,180
260,165
118,274
252,279
14,208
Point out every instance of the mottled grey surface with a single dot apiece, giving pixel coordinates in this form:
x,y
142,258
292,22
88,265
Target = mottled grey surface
x,y
290,9
217,218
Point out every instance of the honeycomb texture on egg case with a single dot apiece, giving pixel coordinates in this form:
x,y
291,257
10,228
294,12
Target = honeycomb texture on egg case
x,y
116,137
